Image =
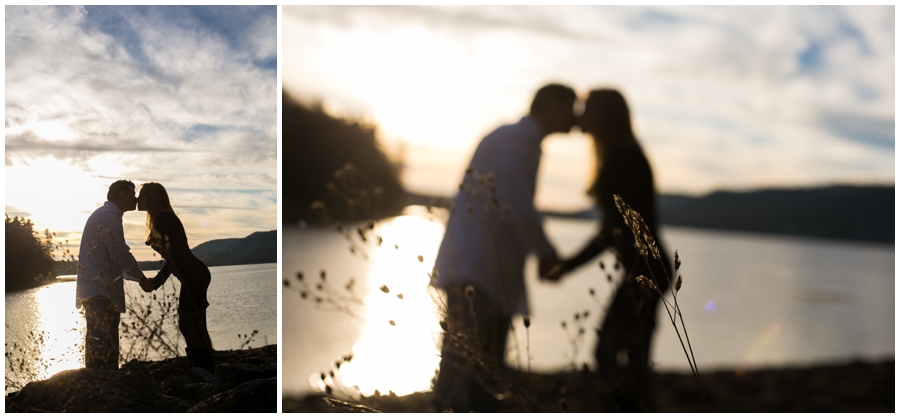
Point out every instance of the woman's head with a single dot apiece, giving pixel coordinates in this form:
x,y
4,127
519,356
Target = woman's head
x,y
153,199
606,116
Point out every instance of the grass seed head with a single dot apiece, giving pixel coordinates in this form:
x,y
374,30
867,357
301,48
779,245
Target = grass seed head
x,y
646,282
677,260
470,292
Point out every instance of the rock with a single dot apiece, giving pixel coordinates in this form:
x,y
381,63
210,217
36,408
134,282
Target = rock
x,y
253,396
196,392
152,386
231,375
89,390
202,375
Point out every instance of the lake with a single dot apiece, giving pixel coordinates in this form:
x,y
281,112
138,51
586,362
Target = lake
x,y
748,300
44,324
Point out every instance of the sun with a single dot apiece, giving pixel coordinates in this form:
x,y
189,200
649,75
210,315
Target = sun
x,y
57,195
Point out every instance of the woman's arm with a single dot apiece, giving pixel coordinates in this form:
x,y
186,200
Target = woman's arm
x,y
593,248
162,276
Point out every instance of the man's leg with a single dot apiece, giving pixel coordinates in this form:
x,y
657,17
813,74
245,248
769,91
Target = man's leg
x,y
101,343
472,353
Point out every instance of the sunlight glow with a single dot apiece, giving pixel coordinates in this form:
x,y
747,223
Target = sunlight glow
x,y
54,131
56,195
402,357
62,345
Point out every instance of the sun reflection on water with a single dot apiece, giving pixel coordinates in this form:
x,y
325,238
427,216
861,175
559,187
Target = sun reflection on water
x,y
398,347
63,329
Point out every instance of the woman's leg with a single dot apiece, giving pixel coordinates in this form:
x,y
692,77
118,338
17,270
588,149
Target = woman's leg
x,y
625,339
199,346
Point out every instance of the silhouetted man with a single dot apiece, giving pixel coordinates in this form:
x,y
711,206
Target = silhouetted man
x,y
493,226
104,260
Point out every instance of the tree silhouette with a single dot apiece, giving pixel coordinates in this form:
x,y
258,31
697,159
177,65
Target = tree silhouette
x,y
315,146
29,262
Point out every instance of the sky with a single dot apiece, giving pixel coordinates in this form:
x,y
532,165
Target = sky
x,y
721,97
182,96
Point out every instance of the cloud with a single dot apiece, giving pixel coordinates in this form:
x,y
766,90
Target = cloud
x,y
720,96
182,95
140,79
866,130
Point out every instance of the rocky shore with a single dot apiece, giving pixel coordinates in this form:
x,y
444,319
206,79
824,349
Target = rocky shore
x,y
245,381
848,387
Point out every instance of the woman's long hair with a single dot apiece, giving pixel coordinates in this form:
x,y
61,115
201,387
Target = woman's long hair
x,y
611,119
158,202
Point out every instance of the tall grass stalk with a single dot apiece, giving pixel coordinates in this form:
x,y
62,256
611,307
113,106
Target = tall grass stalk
x,y
646,246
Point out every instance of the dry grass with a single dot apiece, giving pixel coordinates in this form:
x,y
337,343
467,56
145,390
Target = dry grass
x,y
521,393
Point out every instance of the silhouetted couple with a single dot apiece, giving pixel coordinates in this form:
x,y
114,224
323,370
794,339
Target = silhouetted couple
x,y
494,225
105,261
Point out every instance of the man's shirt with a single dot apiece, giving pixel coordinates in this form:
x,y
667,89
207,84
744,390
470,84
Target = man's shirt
x,y
490,232
104,258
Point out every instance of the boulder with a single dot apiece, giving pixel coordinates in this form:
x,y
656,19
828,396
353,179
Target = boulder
x,y
253,396
232,375
89,391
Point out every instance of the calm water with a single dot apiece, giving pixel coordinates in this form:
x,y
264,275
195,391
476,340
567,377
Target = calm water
x,y
45,323
748,301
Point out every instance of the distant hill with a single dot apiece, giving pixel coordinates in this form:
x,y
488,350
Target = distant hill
x,y
256,248
862,213
858,213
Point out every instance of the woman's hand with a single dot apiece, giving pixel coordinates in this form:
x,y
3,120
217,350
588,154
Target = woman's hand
x,y
147,285
551,269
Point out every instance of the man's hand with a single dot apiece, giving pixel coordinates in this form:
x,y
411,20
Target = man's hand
x,y
146,285
550,268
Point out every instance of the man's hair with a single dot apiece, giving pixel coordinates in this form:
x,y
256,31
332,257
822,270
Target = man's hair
x,y
118,187
551,94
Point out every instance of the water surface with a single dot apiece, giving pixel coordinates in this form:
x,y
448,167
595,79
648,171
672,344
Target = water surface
x,y
44,329
748,301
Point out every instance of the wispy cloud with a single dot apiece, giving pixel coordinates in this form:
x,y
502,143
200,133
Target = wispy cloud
x,y
721,96
185,96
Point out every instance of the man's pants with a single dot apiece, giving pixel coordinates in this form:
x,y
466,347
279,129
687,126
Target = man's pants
x,y
470,363
101,342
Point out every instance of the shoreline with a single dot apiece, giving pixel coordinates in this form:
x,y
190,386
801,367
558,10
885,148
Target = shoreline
x,y
850,386
245,381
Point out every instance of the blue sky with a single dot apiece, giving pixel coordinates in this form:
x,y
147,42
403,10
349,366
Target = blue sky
x,y
183,96
722,97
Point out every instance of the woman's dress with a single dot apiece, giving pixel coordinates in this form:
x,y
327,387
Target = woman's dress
x,y
168,238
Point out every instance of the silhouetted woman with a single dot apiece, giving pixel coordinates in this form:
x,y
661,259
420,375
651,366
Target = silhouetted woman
x,y
623,347
165,234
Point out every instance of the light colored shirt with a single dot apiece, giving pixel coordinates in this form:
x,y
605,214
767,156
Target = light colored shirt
x,y
104,258
487,240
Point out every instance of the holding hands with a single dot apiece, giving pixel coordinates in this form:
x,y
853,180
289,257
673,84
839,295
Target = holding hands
x,y
551,268
147,285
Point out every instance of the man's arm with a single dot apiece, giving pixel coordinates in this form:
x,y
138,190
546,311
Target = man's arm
x,y
520,198
120,251
162,276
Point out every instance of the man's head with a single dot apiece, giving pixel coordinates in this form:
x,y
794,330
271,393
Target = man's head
x,y
121,193
552,107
